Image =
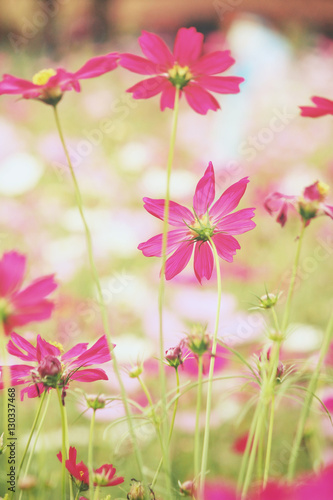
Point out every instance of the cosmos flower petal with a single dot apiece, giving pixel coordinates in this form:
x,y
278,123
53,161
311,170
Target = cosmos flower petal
x,y
199,99
75,351
213,63
229,200
205,192
322,107
32,391
12,85
203,261
226,246
98,353
328,210
89,375
153,246
22,316
44,348
156,49
38,290
97,66
138,64
238,222
178,260
188,46
221,84
168,97
149,87
17,341
177,213
12,267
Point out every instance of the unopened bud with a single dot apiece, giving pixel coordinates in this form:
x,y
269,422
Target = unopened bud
x,y
96,402
137,491
173,355
135,371
187,489
268,300
198,340
49,366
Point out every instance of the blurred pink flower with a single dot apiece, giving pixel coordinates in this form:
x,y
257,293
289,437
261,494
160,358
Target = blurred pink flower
x,y
20,307
219,490
316,486
51,368
310,205
274,491
103,476
185,68
48,85
322,107
190,365
194,230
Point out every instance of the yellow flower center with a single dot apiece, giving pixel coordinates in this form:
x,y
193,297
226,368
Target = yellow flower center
x,y
180,75
323,188
202,229
43,76
58,345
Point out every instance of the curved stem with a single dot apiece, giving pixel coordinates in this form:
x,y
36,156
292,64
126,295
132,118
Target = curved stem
x,y
308,400
90,454
100,296
269,442
197,421
63,452
211,372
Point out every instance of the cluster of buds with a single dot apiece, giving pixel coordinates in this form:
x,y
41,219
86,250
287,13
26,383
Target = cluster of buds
x,y
198,340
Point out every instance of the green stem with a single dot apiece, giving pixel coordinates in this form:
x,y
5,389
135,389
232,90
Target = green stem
x,y
308,400
269,442
41,403
39,429
101,302
276,321
67,449
170,429
162,278
197,421
64,452
90,454
248,448
96,496
286,315
211,372
6,379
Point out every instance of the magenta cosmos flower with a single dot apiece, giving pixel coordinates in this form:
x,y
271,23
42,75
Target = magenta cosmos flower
x,y
20,307
322,107
185,68
194,230
103,476
51,368
48,85
309,205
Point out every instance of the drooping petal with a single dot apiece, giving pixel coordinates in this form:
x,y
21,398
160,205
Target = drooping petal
x,y
212,63
237,223
323,107
17,341
12,267
226,246
38,290
168,97
179,260
205,191
138,64
12,85
98,353
20,374
24,315
89,375
221,84
149,87
203,261
282,216
156,49
188,46
177,213
229,199
199,99
97,66
153,246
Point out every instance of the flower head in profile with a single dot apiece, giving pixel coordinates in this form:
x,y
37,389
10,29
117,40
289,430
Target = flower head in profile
x,y
194,231
103,476
321,107
186,68
49,367
48,85
19,306
309,205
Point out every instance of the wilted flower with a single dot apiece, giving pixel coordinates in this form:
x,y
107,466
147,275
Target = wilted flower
x,y
185,68
309,205
48,85
51,368
194,230
20,307
322,107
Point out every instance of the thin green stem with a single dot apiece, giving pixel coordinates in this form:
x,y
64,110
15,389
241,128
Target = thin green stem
x,y
96,496
101,301
308,400
211,372
5,379
275,319
248,448
64,452
34,424
67,449
90,454
260,456
197,421
269,442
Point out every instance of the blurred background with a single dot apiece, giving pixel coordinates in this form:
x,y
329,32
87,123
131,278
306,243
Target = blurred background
x,y
284,50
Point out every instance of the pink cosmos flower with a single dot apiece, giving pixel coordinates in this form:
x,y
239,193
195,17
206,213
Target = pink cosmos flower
x,y
185,68
20,307
48,85
103,476
273,491
322,107
310,205
50,368
194,230
316,486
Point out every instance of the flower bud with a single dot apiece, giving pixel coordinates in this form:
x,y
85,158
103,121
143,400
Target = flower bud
x,y
137,491
96,402
173,355
198,340
135,371
268,300
187,489
50,366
